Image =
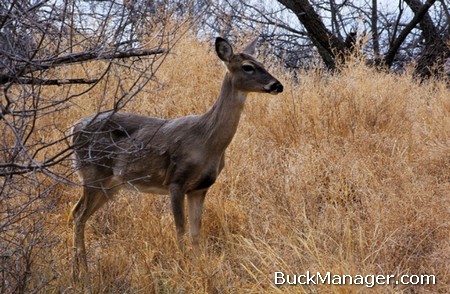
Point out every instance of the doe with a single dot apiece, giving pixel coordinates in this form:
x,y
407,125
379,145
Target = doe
x,y
181,156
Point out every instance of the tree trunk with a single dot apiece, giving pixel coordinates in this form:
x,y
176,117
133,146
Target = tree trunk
x,y
329,46
435,53
374,28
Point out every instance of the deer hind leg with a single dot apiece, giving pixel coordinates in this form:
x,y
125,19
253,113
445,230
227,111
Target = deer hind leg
x,y
195,207
91,200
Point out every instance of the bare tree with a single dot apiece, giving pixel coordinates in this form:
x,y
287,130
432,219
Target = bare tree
x,y
300,30
39,41
435,51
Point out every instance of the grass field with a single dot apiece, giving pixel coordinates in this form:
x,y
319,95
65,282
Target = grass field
x,y
345,173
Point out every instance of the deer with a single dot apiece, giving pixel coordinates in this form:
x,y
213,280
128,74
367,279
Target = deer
x,y
180,157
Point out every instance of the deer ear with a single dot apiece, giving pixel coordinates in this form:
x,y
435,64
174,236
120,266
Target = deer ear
x,y
224,49
250,48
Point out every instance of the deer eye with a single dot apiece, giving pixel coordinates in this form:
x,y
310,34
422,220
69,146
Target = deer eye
x,y
248,68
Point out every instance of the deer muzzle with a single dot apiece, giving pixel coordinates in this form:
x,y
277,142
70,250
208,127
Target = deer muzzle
x,y
274,88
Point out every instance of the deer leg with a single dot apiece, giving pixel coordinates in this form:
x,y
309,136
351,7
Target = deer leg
x,y
195,206
91,200
177,201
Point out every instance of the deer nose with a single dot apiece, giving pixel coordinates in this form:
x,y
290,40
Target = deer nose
x,y
275,88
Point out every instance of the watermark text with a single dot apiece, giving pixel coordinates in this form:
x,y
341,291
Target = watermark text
x,y
369,281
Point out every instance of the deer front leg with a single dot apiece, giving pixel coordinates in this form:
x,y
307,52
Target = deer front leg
x,y
177,201
195,205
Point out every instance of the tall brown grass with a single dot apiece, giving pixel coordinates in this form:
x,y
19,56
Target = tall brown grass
x,y
347,173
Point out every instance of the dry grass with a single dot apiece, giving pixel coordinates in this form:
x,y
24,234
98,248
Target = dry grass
x,y
347,173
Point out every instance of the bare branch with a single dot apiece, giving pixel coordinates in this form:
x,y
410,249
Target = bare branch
x,y
390,55
95,55
52,82
36,65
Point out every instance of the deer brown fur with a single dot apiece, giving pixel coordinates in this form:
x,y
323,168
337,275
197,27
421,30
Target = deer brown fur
x,y
181,156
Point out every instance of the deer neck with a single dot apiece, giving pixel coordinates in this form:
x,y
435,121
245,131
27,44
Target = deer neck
x,y
222,119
